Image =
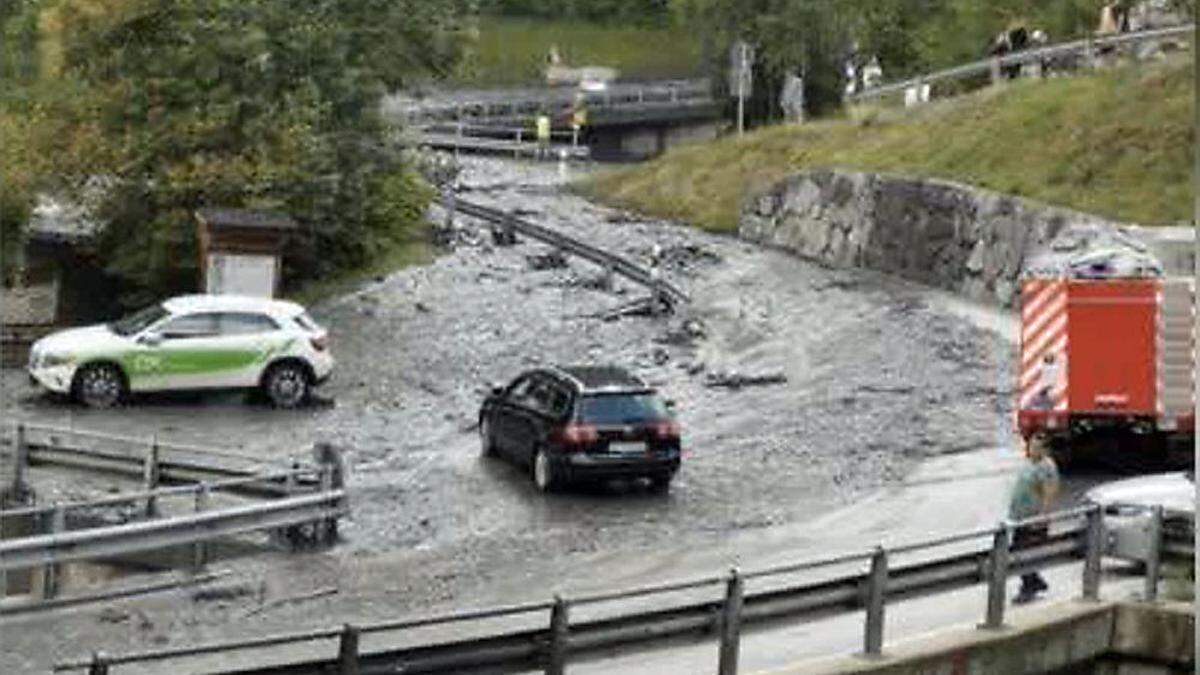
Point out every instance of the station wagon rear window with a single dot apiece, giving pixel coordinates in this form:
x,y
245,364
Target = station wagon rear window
x,y
621,408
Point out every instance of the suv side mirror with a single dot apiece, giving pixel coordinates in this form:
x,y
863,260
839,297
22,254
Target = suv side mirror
x,y
151,339
497,389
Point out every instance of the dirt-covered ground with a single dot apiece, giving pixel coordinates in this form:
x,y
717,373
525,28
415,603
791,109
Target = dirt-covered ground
x,y
879,377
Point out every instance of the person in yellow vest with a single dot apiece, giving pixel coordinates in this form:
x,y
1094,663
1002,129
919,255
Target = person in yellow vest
x,y
543,133
578,117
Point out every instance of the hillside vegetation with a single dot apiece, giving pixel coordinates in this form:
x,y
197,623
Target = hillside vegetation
x,y
1117,143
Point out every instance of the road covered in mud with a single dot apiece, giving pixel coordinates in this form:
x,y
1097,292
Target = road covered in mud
x,y
875,379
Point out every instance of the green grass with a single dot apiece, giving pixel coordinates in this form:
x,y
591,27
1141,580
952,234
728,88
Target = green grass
x,y
414,249
513,51
1117,143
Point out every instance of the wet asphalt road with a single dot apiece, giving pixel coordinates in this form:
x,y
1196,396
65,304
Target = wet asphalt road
x,y
880,377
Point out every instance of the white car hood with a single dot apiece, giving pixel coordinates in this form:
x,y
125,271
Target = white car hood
x,y
76,340
1171,490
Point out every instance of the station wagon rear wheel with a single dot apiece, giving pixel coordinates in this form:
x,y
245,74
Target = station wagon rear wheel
x,y
286,385
544,472
99,385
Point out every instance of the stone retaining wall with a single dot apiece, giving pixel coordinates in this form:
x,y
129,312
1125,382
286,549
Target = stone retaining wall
x,y
964,239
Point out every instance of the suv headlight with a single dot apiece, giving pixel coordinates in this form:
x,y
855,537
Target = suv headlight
x,y
52,360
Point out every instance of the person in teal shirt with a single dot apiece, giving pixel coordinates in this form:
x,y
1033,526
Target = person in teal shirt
x,y
1033,495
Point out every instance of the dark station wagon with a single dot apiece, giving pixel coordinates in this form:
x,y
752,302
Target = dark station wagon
x,y
582,423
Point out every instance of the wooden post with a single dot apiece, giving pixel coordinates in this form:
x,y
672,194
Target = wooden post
x,y
150,478
348,651
731,625
560,633
200,548
51,571
876,589
997,579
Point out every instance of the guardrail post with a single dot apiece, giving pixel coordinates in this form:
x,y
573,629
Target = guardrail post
x,y
1154,554
20,464
448,203
289,481
996,71
560,635
731,625
1093,546
876,588
508,233
200,548
348,651
997,578
51,571
151,476
99,664
327,526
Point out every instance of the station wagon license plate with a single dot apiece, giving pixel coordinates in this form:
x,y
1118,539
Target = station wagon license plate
x,y
627,448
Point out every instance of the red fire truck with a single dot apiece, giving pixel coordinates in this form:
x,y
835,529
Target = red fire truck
x,y
1107,354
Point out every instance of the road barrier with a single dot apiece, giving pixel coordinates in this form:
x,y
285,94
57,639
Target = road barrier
x,y
48,535
1080,534
154,461
1085,48
508,224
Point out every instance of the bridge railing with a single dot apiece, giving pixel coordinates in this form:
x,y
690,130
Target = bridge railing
x,y
1086,48
531,103
1073,534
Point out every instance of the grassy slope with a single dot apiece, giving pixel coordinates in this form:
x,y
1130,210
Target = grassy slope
x,y
513,51
1118,144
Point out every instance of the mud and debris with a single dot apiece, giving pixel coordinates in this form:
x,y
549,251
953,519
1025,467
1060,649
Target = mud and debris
x,y
434,524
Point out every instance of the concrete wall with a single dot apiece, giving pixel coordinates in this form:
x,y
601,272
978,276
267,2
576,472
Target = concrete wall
x,y
1056,638
964,239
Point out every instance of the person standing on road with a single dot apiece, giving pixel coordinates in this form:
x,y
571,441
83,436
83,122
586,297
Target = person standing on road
x,y
1033,495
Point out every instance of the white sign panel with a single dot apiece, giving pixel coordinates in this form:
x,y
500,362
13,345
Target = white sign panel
x,y
234,274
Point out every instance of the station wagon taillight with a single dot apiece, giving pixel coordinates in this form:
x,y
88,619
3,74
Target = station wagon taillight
x,y
667,429
579,434
319,343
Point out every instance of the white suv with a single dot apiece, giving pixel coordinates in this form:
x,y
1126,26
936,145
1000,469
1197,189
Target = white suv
x,y
189,342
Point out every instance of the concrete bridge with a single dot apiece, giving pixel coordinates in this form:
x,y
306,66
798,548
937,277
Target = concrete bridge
x,y
625,121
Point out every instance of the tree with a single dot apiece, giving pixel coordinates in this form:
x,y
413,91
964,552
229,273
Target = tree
x,y
256,103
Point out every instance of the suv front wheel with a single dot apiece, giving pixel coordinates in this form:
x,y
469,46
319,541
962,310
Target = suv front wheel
x,y
286,385
99,385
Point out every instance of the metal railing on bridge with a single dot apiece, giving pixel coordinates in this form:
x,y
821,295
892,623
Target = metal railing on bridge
x,y
1086,49
1075,534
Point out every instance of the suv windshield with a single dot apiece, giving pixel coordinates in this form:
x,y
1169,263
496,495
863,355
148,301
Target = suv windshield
x,y
621,408
135,323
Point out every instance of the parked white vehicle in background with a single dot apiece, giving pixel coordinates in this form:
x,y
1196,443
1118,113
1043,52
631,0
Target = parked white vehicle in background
x,y
192,342
1128,505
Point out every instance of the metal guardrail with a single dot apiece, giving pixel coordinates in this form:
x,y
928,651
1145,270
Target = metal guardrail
x,y
1085,48
611,262
311,495
103,542
552,646
155,462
